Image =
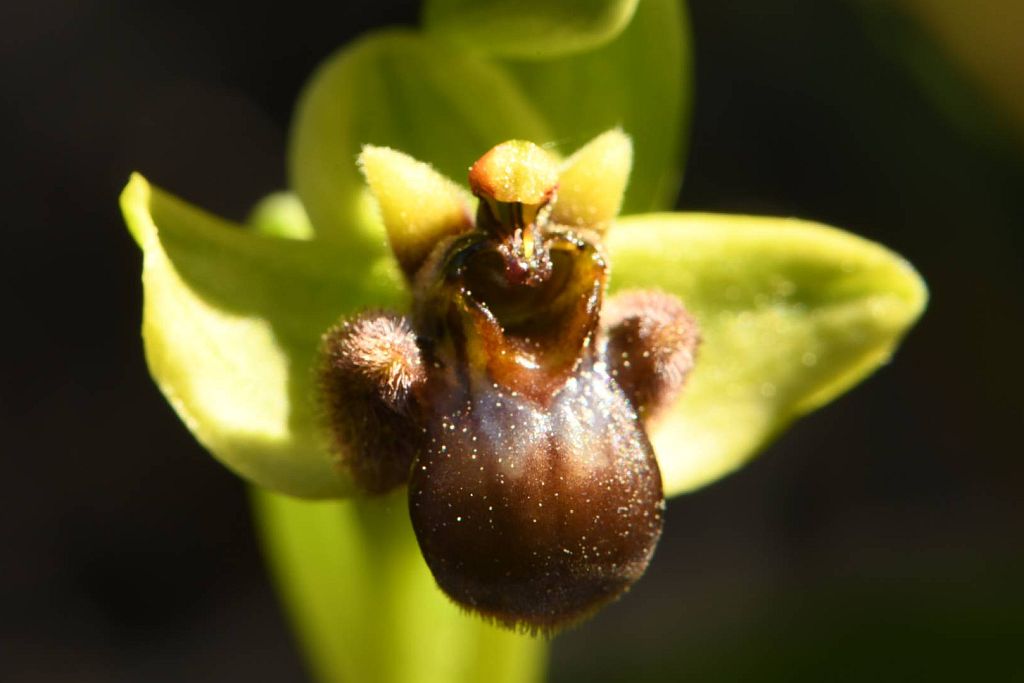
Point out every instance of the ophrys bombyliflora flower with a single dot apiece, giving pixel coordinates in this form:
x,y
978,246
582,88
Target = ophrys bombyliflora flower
x,y
511,406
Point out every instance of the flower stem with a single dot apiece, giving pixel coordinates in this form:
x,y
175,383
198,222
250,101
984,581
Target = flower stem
x,y
365,607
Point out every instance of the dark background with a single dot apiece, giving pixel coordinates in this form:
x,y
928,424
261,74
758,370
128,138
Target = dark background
x,y
880,539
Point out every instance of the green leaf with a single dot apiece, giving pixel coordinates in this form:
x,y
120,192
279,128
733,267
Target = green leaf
x,y
640,82
791,315
365,606
231,326
401,90
528,29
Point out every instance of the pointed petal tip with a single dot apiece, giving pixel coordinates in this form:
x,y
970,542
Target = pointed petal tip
x,y
417,205
133,201
371,154
917,294
593,181
231,321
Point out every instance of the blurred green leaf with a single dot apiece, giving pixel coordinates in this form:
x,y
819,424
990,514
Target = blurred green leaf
x,y
231,323
791,314
402,90
365,605
528,29
640,81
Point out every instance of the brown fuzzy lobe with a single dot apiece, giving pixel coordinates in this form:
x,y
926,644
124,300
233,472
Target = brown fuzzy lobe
x,y
651,346
369,366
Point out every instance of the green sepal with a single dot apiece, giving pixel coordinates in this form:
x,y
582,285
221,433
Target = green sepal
x,y
791,314
231,324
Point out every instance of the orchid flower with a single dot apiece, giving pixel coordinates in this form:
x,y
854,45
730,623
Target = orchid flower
x,y
790,313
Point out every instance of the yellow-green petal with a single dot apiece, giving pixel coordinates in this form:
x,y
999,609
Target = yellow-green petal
x,y
528,29
418,205
593,181
231,325
791,313
402,90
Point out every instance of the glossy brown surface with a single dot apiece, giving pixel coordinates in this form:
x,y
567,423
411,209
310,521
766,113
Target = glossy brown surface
x,y
534,514
536,498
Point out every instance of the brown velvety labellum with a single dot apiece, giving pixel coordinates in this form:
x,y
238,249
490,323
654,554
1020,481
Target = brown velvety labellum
x,y
533,513
536,497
